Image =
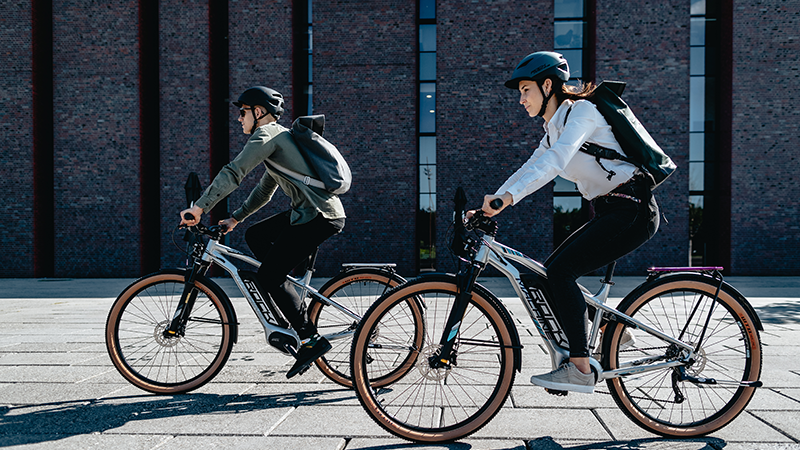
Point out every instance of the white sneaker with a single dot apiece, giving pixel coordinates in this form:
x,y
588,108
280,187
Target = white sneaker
x,y
566,378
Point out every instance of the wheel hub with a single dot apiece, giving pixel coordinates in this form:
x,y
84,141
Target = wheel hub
x,y
161,338
424,365
699,363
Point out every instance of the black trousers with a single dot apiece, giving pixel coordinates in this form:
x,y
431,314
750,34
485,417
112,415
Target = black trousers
x,y
280,247
620,225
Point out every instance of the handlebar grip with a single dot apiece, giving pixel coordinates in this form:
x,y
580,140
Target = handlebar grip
x,y
496,203
188,216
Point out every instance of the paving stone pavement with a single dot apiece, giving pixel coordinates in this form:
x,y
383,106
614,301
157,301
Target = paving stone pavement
x,y
58,388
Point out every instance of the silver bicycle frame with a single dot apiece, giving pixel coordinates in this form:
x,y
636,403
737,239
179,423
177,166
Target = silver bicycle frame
x,y
217,253
500,257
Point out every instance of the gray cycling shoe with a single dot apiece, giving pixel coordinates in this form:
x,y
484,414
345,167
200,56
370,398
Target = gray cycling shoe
x,y
566,378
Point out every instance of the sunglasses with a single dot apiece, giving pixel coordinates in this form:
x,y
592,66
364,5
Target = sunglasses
x,y
243,111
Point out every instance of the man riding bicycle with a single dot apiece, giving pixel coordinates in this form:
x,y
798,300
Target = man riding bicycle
x,y
284,240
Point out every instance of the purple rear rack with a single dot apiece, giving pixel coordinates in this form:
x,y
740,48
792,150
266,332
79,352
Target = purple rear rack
x,y
684,269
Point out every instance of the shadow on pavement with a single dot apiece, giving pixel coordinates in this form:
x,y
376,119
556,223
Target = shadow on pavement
x,y
547,443
776,313
45,422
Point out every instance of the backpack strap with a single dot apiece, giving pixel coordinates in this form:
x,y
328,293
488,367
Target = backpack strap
x,y
305,179
601,152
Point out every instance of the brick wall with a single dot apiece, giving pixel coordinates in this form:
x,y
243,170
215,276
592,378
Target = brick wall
x,y
16,141
484,134
184,109
96,138
765,206
365,83
646,44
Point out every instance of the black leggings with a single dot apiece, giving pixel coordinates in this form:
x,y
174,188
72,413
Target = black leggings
x,y
281,246
620,225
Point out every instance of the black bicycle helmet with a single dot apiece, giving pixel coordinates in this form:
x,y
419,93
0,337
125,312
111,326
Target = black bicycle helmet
x,y
270,99
538,67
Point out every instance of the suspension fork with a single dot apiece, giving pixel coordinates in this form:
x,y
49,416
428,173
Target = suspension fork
x,y
464,282
177,326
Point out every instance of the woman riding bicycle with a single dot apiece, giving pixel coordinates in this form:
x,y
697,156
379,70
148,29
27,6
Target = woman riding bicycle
x,y
285,240
626,214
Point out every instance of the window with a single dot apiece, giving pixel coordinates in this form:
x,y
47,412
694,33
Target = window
x,y
569,39
426,112
702,127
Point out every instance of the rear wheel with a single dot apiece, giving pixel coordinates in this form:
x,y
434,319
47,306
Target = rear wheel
x,y
728,350
356,290
431,403
162,364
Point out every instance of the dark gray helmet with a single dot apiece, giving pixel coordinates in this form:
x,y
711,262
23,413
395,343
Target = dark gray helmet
x,y
270,99
538,67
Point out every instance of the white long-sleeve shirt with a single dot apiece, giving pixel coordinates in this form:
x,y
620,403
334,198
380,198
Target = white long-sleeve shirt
x,y
558,154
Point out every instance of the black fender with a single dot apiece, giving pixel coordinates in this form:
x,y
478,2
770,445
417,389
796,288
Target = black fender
x,y
695,276
376,270
216,290
496,303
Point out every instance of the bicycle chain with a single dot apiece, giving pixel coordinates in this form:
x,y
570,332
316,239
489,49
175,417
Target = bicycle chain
x,y
635,396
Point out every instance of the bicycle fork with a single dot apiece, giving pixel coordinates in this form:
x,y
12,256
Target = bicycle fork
x,y
177,326
446,356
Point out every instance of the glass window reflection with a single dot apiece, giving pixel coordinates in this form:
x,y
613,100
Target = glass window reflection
x,y
698,31
696,176
697,103
566,204
568,34
427,178
427,107
427,9
427,150
427,202
696,146
575,60
427,38
427,66
565,9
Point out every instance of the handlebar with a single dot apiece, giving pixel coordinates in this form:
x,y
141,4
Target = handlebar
x,y
215,232
496,203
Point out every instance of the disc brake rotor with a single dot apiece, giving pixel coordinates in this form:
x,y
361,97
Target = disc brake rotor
x,y
164,341
424,366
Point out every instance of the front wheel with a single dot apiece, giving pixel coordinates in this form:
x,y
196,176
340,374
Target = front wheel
x,y
356,290
160,363
728,351
432,402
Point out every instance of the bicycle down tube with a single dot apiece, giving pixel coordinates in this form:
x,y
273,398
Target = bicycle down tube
x,y
269,317
496,254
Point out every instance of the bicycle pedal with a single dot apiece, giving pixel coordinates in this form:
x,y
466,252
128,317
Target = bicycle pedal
x,y
556,392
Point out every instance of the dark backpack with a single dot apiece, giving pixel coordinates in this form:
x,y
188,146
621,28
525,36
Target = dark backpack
x,y
640,148
323,157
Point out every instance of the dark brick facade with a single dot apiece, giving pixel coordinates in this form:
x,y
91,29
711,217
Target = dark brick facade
x,y
365,83
96,138
484,134
17,140
364,65
765,207
646,45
